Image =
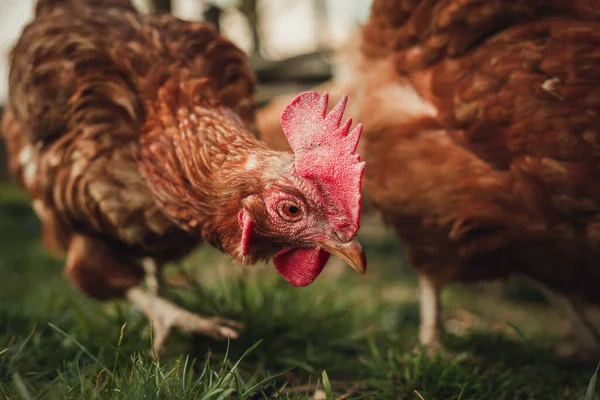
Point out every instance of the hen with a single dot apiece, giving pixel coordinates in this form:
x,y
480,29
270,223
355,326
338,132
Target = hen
x,y
132,135
482,144
482,139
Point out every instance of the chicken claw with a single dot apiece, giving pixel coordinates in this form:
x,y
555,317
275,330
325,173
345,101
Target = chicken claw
x,y
166,315
583,340
433,350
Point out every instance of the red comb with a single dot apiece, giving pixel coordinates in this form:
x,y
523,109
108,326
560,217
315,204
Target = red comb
x,y
324,155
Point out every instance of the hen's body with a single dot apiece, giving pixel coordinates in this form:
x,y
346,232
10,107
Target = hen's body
x,y
81,82
482,141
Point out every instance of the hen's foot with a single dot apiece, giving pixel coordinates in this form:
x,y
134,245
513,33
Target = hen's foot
x,y
580,344
166,315
433,350
583,340
574,350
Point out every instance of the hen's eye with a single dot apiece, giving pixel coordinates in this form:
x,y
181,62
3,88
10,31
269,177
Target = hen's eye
x,y
291,212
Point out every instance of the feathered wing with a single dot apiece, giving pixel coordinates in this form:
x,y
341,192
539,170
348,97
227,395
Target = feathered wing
x,y
80,81
525,102
514,85
76,119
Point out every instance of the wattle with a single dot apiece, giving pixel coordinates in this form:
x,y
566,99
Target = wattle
x,y
301,266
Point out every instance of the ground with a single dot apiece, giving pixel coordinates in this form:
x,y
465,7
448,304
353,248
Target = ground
x,y
56,343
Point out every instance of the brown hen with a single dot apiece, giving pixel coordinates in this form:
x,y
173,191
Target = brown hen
x,y
482,143
132,135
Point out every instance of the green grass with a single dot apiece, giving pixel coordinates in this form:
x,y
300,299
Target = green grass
x,y
345,335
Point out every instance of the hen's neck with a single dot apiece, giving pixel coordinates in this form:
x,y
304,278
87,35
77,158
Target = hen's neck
x,y
200,163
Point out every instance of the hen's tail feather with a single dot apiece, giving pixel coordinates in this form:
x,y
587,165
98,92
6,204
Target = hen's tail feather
x,y
44,6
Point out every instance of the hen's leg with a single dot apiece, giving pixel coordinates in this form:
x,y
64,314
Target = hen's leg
x,y
585,340
166,315
94,268
153,274
430,330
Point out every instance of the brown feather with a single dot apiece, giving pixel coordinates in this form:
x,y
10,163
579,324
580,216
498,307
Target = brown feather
x,y
84,78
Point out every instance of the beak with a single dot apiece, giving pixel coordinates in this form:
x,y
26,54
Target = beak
x,y
351,252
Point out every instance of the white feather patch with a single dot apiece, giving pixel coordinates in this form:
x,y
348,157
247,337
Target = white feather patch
x,y
29,173
402,99
251,163
26,155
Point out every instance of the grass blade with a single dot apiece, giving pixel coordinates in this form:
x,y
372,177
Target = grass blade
x,y
462,391
263,382
420,395
22,346
81,347
118,352
326,385
21,387
591,390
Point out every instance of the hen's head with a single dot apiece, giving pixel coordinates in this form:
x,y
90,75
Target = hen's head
x,y
310,208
